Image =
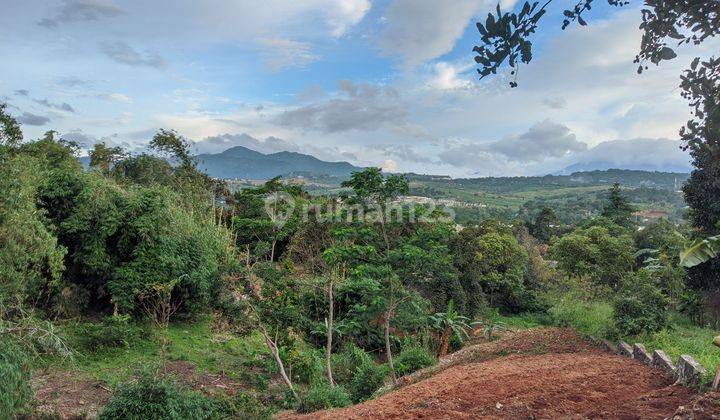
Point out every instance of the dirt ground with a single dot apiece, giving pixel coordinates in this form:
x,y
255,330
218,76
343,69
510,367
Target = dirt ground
x,y
548,373
71,397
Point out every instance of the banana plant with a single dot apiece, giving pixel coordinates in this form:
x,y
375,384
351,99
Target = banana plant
x,y
700,251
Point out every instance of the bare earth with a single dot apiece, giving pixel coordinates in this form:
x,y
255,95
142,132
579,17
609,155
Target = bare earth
x,y
547,373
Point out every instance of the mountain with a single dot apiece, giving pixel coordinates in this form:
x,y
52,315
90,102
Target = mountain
x,y
604,165
243,163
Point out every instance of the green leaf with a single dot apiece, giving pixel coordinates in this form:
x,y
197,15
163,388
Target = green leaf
x,y
700,251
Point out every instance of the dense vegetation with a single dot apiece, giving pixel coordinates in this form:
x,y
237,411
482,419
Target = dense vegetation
x,y
309,301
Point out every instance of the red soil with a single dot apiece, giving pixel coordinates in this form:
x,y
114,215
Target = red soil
x,y
536,374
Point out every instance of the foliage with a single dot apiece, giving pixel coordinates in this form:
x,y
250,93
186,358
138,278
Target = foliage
x,y
492,264
112,331
700,251
104,157
368,378
151,398
546,225
243,405
449,323
594,252
357,372
618,210
15,392
322,396
10,133
639,306
507,36
413,358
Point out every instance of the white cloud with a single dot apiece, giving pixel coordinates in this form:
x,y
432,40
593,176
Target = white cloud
x,y
280,54
389,165
420,30
115,97
359,106
447,76
217,144
344,14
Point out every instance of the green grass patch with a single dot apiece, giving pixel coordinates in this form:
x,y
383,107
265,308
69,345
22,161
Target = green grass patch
x,y
684,338
589,317
241,358
525,320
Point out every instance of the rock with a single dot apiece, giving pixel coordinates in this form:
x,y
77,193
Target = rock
x,y
689,371
663,361
641,355
624,349
608,346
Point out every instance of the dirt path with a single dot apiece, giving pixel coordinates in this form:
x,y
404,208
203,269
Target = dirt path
x,y
559,383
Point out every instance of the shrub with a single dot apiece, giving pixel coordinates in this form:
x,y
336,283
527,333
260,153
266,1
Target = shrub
x,y
345,363
367,379
640,306
113,331
243,405
413,358
322,396
15,392
151,398
594,317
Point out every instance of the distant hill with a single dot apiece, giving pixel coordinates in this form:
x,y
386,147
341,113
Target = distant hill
x,y
506,185
243,163
603,166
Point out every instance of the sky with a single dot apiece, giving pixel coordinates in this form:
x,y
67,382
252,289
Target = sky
x,y
389,83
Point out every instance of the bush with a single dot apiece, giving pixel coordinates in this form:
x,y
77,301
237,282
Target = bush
x,y
590,317
15,392
345,363
243,405
151,398
322,396
113,331
367,379
640,306
413,358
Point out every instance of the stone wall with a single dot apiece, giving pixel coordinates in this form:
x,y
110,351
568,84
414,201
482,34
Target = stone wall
x,y
687,371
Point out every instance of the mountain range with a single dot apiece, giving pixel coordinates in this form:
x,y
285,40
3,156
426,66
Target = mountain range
x,y
242,163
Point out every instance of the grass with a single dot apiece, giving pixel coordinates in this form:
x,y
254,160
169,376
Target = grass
x,y
195,342
589,317
684,338
525,320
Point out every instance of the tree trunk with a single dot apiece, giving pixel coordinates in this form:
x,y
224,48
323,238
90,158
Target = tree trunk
x,y
331,310
388,348
272,250
445,342
272,345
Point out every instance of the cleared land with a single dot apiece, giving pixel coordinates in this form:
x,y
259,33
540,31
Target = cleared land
x,y
549,373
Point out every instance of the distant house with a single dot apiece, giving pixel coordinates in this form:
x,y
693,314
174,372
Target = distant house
x,y
645,215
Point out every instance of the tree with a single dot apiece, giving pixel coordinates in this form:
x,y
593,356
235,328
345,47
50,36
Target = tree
x,y
174,146
594,252
448,323
618,210
104,157
371,189
546,224
10,133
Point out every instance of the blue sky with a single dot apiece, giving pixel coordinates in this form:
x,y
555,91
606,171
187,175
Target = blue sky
x,y
386,83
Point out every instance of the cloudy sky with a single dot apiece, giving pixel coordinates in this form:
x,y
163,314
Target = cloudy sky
x,y
388,83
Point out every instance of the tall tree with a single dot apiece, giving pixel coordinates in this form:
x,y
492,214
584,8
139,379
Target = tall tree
x,y
617,209
104,157
371,189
